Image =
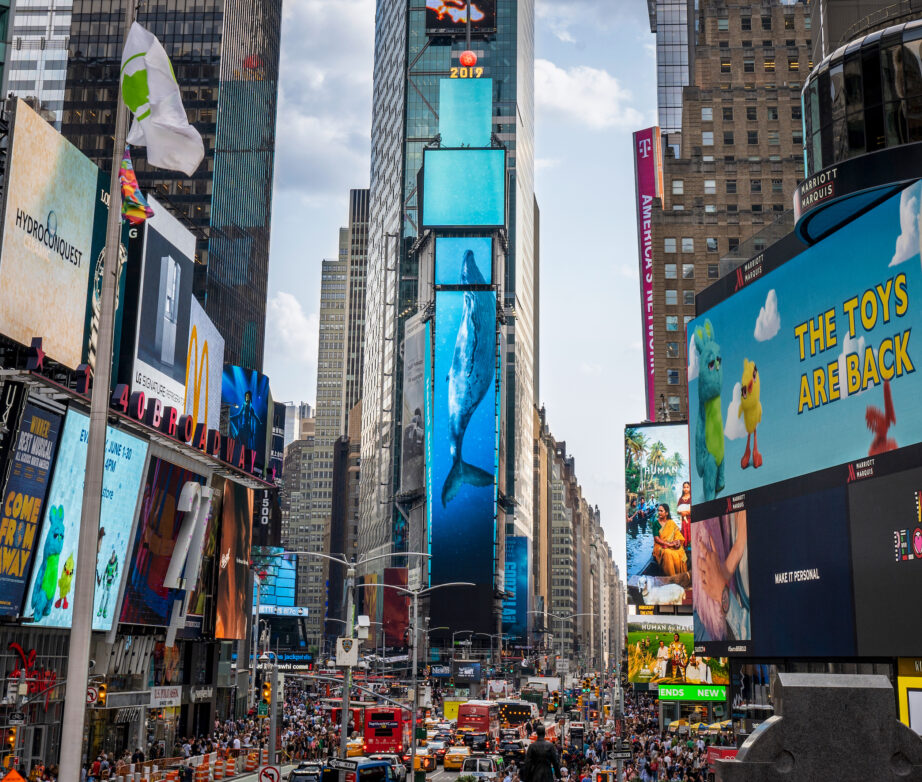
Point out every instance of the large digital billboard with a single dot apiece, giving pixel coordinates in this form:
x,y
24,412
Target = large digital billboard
x,y
245,394
233,600
47,238
267,518
204,368
412,446
33,450
829,334
147,601
278,577
48,599
464,188
466,112
515,608
449,17
657,514
395,610
660,650
463,260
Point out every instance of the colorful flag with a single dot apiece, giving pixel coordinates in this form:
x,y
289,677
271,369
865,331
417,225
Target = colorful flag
x,y
134,206
150,91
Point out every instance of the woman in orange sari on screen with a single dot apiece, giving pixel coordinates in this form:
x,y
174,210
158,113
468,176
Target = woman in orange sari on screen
x,y
669,545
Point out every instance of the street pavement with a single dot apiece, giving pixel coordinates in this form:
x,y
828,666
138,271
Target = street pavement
x,y
441,775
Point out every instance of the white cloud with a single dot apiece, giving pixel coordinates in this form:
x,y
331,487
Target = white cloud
x,y
558,18
590,96
849,345
293,336
692,359
593,370
907,243
735,427
769,321
544,163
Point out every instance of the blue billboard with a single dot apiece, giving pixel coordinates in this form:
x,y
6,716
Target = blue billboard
x,y
464,188
245,395
23,499
278,575
466,112
829,333
49,597
464,438
463,260
515,608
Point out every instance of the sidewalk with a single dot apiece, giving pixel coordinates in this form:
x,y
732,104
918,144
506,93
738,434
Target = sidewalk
x,y
250,776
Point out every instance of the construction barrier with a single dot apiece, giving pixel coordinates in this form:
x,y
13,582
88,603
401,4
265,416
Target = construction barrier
x,y
231,765
252,761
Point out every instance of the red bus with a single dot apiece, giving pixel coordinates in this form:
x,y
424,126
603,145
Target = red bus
x,y
357,719
481,717
387,729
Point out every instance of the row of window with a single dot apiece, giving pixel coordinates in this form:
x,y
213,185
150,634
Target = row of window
x,y
723,23
688,244
752,113
768,65
672,298
672,322
752,137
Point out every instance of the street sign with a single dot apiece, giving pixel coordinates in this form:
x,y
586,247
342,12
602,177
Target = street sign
x,y
262,709
620,755
270,774
92,695
16,718
563,666
343,765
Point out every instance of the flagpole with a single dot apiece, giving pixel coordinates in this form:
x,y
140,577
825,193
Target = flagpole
x,y
72,725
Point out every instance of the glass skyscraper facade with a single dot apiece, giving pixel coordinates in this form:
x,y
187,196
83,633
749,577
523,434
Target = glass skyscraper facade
x,y
670,20
225,54
408,67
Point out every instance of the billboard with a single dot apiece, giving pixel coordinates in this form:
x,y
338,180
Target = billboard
x,y
515,608
660,650
35,435
47,603
278,577
47,238
449,17
12,400
267,518
147,601
464,188
657,514
277,440
648,178
412,449
466,112
835,356
395,613
463,260
204,368
232,601
245,394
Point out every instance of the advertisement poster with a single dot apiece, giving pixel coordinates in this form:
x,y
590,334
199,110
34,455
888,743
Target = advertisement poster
x,y
720,581
412,454
449,17
201,609
395,613
147,601
836,357
648,176
483,172
267,518
12,400
204,368
47,238
233,606
515,608
657,514
660,650
464,260
164,309
245,394
23,499
278,577
466,112
48,598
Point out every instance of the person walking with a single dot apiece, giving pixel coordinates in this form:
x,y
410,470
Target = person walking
x,y
541,761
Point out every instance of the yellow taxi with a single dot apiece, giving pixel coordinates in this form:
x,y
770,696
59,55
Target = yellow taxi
x,y
455,756
425,760
355,748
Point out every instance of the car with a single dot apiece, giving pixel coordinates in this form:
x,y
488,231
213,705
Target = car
x,y
400,769
480,767
425,760
438,748
307,771
355,748
456,756
513,751
444,736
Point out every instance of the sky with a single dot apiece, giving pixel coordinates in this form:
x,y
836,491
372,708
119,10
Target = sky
x,y
595,83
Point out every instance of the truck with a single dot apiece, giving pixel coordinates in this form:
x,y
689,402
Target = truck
x,y
550,683
535,695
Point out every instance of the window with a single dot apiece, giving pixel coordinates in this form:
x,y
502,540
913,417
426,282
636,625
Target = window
x,y
728,113
796,112
725,65
798,136
757,207
770,66
724,45
766,23
747,44
678,207
723,23
673,403
707,138
713,271
707,113
678,187
793,64
789,21
755,185
672,350
752,137
707,158
710,185
731,185
758,244
688,298
745,23
672,323
733,243
732,209
672,377
777,207
687,319
669,245
672,298
688,271
807,25
710,209
751,114
688,244
728,137
670,271
772,112
774,139
711,243
776,186
749,66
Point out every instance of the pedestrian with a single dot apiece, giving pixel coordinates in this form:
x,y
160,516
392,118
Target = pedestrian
x,y
541,761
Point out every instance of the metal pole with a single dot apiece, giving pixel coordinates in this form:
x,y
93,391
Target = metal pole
x,y
347,674
273,708
415,598
253,697
85,578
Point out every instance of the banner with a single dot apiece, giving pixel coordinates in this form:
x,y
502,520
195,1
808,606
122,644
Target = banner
x,y
412,455
36,439
395,613
233,605
660,650
515,608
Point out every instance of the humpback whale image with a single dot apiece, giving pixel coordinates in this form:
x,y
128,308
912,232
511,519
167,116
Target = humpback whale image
x,y
470,377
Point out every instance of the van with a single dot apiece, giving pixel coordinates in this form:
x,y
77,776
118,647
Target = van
x,y
368,771
480,767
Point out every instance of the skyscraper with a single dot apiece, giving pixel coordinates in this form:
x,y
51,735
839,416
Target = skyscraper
x,y
357,266
225,54
37,54
409,63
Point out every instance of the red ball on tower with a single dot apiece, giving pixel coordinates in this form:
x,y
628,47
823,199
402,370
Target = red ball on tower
x,y
468,58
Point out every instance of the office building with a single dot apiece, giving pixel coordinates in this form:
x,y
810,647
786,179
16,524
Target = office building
x,y
740,156
354,342
225,54
673,23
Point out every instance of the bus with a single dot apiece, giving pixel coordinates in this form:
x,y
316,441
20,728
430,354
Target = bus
x,y
480,717
387,729
514,712
357,716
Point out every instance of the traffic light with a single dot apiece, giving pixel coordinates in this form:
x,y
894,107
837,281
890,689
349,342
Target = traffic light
x,y
11,738
579,702
101,700
267,691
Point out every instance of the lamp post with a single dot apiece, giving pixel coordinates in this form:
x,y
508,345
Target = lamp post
x,y
456,632
491,636
265,657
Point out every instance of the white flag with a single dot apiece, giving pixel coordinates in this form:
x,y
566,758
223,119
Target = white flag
x,y
150,91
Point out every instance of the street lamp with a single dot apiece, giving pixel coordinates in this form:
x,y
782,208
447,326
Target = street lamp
x,y
456,632
491,636
274,700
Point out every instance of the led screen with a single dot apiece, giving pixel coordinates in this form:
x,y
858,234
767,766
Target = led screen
x,y
49,599
47,238
233,601
33,452
412,455
463,260
450,16
657,514
660,650
395,613
245,394
267,518
829,334
464,188
278,575
147,601
204,367
515,608
465,112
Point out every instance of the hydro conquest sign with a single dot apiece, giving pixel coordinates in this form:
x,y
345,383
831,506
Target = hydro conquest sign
x,y
692,692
